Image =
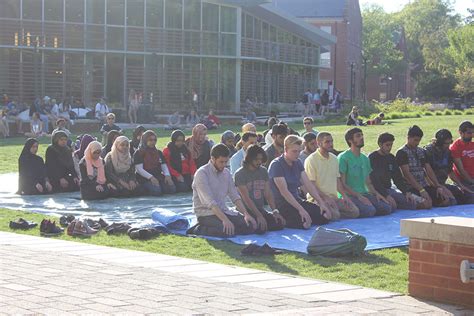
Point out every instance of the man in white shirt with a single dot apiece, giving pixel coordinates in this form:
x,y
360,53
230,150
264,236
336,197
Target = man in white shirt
x,y
101,110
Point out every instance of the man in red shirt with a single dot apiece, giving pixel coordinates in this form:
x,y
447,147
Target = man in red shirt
x,y
462,151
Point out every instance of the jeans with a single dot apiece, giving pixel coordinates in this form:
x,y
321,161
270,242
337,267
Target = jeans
x,y
45,119
293,218
375,207
212,226
163,188
401,200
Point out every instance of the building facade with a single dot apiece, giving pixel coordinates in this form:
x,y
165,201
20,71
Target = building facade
x,y
343,20
165,50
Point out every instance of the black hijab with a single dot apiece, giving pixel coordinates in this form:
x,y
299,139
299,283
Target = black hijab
x,y
111,136
64,153
175,152
31,168
136,142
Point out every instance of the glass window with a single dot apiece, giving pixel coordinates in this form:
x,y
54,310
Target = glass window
x,y
10,9
74,36
192,15
154,13
115,38
248,26
114,78
210,43
115,12
135,12
174,14
228,19
210,17
95,37
265,36
74,10
258,29
32,9
273,33
96,11
53,10
228,44
227,78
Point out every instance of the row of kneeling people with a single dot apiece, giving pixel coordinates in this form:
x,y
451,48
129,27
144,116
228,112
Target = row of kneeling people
x,y
324,188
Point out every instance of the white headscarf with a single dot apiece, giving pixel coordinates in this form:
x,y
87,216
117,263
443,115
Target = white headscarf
x,y
120,161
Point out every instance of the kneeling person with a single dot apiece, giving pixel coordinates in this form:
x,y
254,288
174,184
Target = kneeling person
x,y
254,187
287,175
211,186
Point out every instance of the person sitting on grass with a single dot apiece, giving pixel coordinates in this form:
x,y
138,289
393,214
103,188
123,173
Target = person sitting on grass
x,y
322,168
287,175
248,138
385,170
61,126
250,117
180,163
109,126
416,169
462,151
120,171
192,119
94,184
32,178
36,127
353,117
110,139
308,126
440,159
199,145
101,110
254,187
150,164
77,156
276,148
212,121
310,145
136,138
174,121
355,170
60,166
228,139
212,186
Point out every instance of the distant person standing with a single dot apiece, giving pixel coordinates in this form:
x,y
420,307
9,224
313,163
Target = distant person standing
x,y
133,104
324,102
317,102
307,100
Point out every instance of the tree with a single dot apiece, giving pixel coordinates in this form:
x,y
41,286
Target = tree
x,y
461,55
380,52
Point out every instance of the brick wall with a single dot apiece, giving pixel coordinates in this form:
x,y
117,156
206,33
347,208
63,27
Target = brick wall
x,y
434,271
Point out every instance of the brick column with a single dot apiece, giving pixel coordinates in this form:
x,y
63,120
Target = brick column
x,y
435,254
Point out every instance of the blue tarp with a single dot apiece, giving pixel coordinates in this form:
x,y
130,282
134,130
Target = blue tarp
x,y
380,232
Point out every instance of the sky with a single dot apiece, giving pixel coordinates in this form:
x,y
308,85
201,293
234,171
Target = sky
x,y
460,6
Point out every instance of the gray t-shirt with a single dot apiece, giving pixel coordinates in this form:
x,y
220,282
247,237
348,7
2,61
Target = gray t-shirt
x,y
255,182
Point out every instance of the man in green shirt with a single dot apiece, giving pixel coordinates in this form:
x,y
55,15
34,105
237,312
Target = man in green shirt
x,y
355,170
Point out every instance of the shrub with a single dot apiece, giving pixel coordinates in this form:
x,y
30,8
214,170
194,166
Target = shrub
x,y
428,114
438,113
469,112
448,112
401,105
458,112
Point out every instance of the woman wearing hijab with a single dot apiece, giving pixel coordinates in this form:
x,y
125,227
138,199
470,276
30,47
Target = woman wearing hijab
x,y
32,178
228,139
60,166
137,136
111,136
150,165
199,145
79,154
120,170
180,163
93,181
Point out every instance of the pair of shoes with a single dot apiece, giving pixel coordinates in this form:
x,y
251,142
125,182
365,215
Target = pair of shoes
x,y
93,224
143,233
78,228
22,224
256,250
49,229
64,220
117,228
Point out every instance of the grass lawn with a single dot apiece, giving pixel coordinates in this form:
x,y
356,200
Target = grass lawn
x,y
385,269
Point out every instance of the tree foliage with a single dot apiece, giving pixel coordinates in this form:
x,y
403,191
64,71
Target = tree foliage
x,y
379,32
461,55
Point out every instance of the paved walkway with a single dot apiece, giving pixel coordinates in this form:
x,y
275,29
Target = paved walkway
x,y
55,277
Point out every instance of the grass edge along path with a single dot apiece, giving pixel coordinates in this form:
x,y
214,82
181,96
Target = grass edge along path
x,y
385,269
